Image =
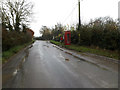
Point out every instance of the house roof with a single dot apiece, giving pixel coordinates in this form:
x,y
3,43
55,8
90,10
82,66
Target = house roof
x,y
28,29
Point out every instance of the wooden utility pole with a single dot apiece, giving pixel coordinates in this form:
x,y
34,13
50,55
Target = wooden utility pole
x,y
79,15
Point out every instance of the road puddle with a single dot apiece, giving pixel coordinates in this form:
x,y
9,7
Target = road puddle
x,y
15,72
46,46
22,61
12,70
67,59
19,66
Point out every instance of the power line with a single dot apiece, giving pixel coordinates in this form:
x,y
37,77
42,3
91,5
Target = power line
x,y
70,13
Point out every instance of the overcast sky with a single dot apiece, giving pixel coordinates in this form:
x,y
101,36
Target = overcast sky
x,y
50,12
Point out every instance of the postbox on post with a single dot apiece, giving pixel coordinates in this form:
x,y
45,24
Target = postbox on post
x,y
67,38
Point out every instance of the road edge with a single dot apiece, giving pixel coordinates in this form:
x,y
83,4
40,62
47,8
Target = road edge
x,y
23,49
84,58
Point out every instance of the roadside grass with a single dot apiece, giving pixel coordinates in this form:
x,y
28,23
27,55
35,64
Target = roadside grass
x,y
7,54
93,50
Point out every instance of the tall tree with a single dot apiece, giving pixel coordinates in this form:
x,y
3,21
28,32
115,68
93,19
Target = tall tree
x,y
15,13
46,33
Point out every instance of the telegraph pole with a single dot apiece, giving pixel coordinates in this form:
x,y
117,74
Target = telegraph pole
x,y
79,15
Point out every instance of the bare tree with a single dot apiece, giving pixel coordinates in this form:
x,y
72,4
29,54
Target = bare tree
x,y
16,13
46,33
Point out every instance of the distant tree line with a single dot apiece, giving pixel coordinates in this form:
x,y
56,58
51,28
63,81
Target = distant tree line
x,y
101,33
15,19
54,33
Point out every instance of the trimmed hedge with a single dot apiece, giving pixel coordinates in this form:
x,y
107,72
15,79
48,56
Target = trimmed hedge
x,y
13,38
102,33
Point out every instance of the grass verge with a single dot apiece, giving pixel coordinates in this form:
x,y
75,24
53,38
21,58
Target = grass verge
x,y
7,54
107,53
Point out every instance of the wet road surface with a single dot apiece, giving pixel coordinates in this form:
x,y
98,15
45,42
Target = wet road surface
x,y
44,66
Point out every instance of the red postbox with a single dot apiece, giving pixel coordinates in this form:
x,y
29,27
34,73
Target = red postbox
x,y
67,38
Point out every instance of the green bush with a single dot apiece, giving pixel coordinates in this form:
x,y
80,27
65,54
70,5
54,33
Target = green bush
x,y
102,32
74,37
12,38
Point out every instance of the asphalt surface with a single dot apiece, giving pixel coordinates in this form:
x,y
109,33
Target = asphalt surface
x,y
45,66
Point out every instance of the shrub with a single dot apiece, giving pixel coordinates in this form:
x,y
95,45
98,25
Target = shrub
x,y
13,38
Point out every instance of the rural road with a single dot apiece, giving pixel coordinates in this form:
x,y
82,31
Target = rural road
x,y
44,66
